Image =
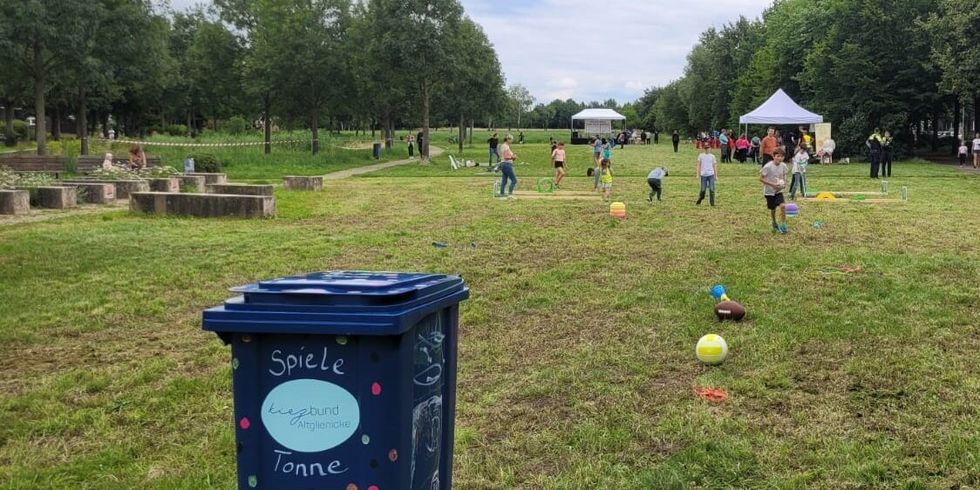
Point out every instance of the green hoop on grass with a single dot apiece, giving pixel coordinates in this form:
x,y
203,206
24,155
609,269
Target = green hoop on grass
x,y
546,185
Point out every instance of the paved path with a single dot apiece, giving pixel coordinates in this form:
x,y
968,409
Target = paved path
x,y
343,174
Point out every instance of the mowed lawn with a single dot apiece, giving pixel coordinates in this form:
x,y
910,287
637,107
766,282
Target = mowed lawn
x,y
577,346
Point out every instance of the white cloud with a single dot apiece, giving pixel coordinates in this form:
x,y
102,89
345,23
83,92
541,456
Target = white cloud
x,y
612,49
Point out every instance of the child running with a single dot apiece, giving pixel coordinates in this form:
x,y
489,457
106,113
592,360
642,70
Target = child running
x,y
800,161
773,178
606,178
655,179
558,158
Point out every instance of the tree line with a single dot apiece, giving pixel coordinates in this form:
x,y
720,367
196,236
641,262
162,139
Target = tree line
x,y
377,64
909,66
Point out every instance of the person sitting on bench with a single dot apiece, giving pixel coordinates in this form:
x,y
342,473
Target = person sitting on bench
x,y
137,159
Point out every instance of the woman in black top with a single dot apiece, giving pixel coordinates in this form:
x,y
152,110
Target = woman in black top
x,y
676,140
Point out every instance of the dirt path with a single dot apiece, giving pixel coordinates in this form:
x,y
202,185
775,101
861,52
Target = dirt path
x,y
343,174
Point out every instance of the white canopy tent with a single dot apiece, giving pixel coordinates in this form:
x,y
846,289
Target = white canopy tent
x,y
598,115
780,109
596,122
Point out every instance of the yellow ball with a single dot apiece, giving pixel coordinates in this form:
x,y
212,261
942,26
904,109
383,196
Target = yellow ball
x,y
712,349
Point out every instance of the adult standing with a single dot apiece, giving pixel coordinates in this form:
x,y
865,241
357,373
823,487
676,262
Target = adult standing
x,y
874,151
675,139
507,168
742,148
493,142
756,142
768,145
726,155
790,141
420,142
886,154
656,136
976,150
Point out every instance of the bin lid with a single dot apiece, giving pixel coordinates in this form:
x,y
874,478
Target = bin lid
x,y
339,302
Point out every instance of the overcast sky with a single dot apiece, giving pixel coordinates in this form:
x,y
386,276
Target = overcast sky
x,y
589,50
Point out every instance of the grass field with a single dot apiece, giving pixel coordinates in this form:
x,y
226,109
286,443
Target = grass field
x,y
577,362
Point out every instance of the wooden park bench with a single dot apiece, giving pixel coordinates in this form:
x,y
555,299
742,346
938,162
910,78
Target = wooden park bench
x,y
51,164
89,163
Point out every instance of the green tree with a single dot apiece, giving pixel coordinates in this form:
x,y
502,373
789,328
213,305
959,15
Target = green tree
x,y
37,34
476,87
520,101
416,44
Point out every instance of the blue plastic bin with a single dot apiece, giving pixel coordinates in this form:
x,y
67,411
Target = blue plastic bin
x,y
344,380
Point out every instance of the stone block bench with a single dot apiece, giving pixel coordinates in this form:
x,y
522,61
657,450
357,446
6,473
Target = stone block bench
x,y
192,183
95,192
164,185
203,205
210,178
293,183
240,189
123,187
15,202
55,197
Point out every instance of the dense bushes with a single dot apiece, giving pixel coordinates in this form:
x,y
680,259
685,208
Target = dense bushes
x,y
20,131
206,163
236,125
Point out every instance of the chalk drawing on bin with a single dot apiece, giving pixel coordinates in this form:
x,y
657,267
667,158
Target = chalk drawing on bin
x,y
427,432
428,352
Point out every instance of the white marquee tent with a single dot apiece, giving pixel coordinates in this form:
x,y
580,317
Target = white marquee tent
x,y
598,115
780,109
596,122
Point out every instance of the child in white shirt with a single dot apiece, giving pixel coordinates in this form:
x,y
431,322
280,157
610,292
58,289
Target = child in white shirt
x,y
800,161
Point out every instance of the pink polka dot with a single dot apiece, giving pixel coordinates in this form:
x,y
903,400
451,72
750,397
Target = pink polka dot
x,y
245,424
375,389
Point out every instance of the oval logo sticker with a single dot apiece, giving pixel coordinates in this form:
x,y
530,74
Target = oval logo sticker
x,y
309,415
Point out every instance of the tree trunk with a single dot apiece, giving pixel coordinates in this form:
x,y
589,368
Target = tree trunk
x,y
41,131
267,122
56,123
82,122
956,125
471,132
314,126
976,116
426,103
386,129
462,133
935,131
8,124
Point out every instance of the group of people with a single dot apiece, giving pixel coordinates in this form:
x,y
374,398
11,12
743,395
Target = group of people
x,y
965,151
637,137
136,161
880,152
772,175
